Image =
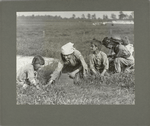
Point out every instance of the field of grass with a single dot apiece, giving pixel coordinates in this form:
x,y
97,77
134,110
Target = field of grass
x,y
100,91
46,38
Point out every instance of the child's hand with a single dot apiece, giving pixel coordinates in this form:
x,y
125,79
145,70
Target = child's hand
x,y
33,82
25,86
97,75
51,82
72,75
85,71
86,68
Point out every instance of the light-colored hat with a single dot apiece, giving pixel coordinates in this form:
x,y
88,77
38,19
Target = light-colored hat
x,y
116,37
67,48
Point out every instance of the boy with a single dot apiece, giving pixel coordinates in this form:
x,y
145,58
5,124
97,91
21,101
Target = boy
x,y
98,60
128,45
122,57
26,75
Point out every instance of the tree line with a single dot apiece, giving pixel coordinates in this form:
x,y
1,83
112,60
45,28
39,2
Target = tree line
x,y
89,16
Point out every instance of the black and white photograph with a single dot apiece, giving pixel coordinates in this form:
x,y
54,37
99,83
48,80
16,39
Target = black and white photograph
x,y
75,58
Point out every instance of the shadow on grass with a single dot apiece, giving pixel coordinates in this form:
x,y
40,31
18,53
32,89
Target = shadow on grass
x,y
43,75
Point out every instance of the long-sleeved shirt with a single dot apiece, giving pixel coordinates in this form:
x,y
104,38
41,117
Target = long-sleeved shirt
x,y
99,61
130,48
122,51
75,61
26,73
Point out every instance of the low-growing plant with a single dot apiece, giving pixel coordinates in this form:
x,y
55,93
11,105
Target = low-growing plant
x,y
116,89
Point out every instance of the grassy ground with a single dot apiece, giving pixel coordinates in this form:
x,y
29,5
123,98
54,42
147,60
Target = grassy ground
x,y
31,40
30,36
108,90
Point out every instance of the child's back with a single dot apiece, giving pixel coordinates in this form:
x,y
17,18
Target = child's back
x,y
130,48
26,73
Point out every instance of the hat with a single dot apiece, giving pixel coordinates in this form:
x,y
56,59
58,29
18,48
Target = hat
x,y
116,39
67,48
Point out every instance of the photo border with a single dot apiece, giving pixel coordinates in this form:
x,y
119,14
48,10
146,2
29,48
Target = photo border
x,y
74,115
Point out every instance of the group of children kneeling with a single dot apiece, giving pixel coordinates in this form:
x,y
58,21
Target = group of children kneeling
x,y
74,64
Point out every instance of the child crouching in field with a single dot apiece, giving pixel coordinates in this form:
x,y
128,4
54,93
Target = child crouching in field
x,y
129,46
99,63
26,75
72,62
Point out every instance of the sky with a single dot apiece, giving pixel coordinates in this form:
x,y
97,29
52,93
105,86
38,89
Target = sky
x,y
69,14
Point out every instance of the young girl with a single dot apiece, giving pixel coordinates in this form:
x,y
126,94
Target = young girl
x,y
72,62
26,75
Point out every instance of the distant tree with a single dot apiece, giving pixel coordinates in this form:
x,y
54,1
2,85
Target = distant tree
x,y
59,17
33,16
83,16
130,17
113,16
122,15
132,14
89,16
73,16
78,18
94,16
56,17
126,16
99,18
65,18
105,17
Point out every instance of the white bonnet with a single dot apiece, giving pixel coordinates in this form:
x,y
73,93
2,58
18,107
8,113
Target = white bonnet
x,y
67,48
